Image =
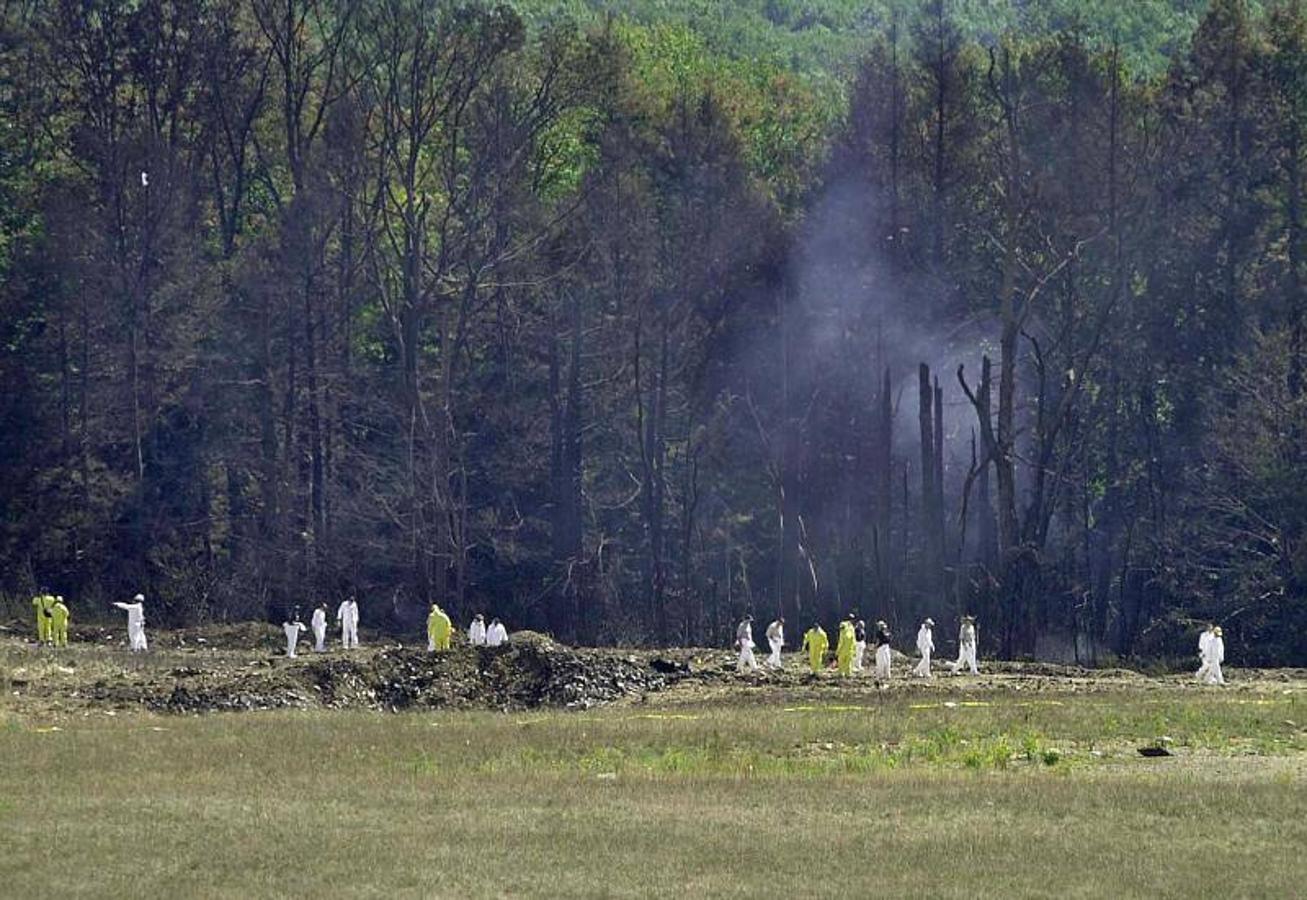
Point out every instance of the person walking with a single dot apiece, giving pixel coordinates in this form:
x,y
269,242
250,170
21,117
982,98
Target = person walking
x,y
925,646
881,638
815,643
776,641
967,641
844,648
744,641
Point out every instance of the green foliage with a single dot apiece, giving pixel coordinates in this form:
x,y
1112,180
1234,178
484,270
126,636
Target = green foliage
x,y
603,313
826,38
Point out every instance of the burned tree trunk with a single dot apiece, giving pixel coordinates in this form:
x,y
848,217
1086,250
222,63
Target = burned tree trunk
x,y
986,536
882,463
566,466
932,510
937,507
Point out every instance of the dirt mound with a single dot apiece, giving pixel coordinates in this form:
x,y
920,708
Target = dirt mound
x,y
532,671
1054,670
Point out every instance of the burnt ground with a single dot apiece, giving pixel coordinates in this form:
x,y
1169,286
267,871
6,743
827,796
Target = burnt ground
x,y
243,667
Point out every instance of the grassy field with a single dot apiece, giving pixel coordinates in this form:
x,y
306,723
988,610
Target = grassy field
x,y
986,794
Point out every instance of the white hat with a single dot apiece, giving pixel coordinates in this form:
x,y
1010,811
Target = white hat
x,y
929,621
139,598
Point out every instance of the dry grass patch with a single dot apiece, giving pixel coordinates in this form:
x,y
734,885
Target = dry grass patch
x,y
627,802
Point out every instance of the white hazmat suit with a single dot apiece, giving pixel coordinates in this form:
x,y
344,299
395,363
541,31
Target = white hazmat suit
x,y
1203,640
1215,655
744,640
883,655
319,623
496,634
775,640
476,635
966,648
925,646
347,614
292,630
135,623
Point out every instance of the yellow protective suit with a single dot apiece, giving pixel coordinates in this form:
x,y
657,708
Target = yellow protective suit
x,y
59,624
845,648
439,628
444,631
816,643
43,605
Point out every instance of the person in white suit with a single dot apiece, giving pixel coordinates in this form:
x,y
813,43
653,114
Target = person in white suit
x,y
881,639
135,623
1215,656
319,624
293,628
744,641
1203,640
968,637
347,614
925,646
476,635
776,641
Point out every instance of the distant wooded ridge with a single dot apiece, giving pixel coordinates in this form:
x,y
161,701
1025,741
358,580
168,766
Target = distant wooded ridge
x,y
831,36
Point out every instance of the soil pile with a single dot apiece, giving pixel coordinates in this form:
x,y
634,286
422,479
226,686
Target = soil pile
x,y
531,671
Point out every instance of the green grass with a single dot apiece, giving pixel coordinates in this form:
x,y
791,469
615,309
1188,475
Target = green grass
x,y
1001,797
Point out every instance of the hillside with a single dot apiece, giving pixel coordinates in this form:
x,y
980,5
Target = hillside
x,y
823,37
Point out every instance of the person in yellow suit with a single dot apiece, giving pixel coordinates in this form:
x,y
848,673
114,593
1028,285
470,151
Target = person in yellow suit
x,y
816,643
439,629
38,606
59,623
845,647
43,604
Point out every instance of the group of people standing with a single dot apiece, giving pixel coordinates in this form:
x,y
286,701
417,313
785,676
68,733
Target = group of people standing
x,y
851,646
51,619
53,616
347,617
479,634
440,629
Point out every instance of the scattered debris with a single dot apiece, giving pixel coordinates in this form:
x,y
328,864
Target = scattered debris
x,y
1155,751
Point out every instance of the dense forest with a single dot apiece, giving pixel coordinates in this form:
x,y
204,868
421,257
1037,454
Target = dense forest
x,y
621,320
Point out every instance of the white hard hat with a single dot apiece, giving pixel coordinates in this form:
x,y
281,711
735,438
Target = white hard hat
x,y
139,598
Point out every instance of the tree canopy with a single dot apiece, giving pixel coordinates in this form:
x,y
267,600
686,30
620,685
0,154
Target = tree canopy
x,y
624,319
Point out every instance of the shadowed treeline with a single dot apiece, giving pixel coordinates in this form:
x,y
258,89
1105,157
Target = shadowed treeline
x,y
620,336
